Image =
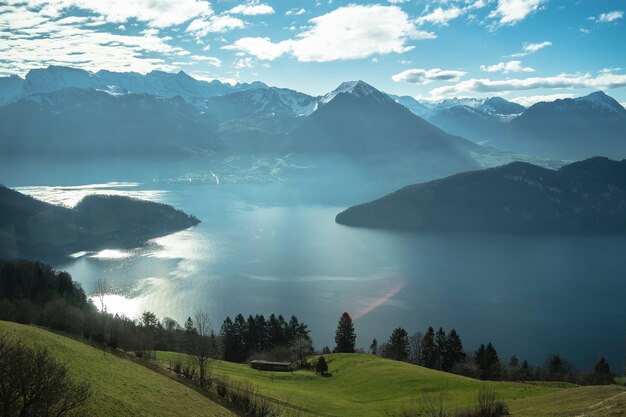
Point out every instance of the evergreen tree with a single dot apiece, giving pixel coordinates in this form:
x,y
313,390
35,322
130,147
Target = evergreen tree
x,y
428,350
374,347
190,333
263,340
275,332
488,362
602,373
326,350
398,345
230,344
558,368
345,337
441,344
454,351
321,367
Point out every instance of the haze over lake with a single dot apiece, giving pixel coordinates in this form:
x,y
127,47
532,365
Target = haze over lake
x,y
275,247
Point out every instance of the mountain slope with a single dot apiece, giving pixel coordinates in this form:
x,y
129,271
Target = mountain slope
x,y
89,122
569,129
361,122
120,387
584,197
10,88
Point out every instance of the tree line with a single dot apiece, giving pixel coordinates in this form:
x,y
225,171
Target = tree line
x,y
32,292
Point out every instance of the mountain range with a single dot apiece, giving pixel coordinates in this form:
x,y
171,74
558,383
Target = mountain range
x,y
582,197
60,109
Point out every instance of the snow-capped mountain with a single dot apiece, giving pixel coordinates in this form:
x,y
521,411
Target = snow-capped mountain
x,y
55,78
159,83
569,128
268,102
361,122
359,89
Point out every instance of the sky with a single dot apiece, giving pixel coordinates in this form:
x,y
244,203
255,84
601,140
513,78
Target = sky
x,y
523,50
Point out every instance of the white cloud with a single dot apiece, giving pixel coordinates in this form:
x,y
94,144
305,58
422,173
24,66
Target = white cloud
x,y
422,76
608,17
602,82
350,32
35,39
295,11
531,48
397,1
158,13
440,16
510,12
252,9
530,100
262,48
215,24
506,67
242,63
216,62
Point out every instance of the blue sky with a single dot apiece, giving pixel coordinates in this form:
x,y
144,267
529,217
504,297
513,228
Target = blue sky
x,y
524,50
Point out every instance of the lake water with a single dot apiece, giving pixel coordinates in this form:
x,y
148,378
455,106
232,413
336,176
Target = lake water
x,y
274,247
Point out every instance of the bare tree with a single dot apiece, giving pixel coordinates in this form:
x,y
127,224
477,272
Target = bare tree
x,y
415,346
102,289
202,345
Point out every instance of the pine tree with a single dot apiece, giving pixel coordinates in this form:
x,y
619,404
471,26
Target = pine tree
x,y
602,373
190,333
374,347
454,351
440,343
398,345
488,362
428,350
345,337
321,367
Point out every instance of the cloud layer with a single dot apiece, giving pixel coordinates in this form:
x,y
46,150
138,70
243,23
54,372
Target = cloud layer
x,y
350,32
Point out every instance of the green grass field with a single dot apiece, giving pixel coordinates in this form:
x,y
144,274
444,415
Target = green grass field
x,y
359,385
365,385
121,387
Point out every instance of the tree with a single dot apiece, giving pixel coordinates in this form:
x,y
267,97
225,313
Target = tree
x,y
429,349
345,337
488,362
102,289
321,367
33,383
453,353
602,373
558,368
415,348
190,335
326,350
202,348
398,345
441,344
374,347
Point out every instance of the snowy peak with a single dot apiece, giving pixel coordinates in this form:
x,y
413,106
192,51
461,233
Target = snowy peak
x,y
498,105
601,101
56,78
359,89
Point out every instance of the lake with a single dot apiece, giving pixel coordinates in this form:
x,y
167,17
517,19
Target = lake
x,y
274,247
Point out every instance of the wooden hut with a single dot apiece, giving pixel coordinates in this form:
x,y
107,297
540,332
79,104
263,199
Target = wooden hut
x,y
271,366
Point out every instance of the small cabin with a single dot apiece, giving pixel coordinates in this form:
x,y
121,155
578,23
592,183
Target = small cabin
x,y
271,366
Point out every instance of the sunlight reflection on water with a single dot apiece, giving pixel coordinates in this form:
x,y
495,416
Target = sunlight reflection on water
x,y
69,196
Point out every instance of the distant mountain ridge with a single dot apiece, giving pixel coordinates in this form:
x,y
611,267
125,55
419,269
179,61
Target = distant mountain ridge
x,y
583,197
173,112
164,84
